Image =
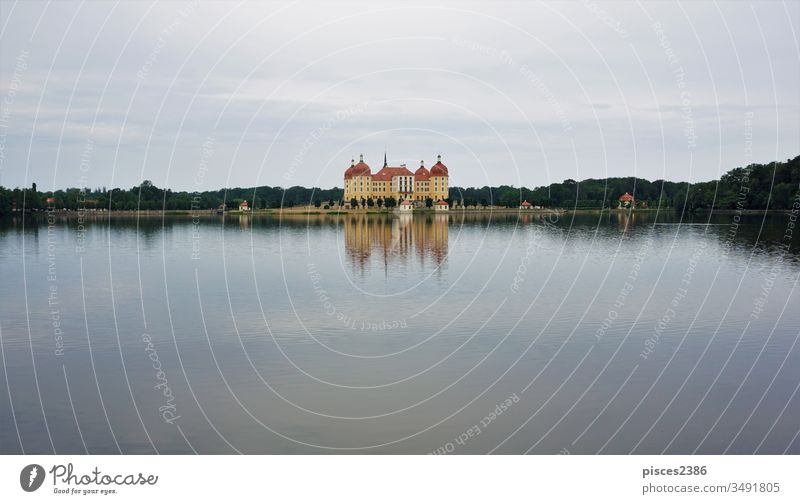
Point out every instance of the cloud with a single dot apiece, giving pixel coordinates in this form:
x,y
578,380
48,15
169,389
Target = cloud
x,y
508,92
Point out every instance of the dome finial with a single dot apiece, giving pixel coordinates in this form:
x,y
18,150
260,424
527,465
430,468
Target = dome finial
x,y
422,163
361,158
439,158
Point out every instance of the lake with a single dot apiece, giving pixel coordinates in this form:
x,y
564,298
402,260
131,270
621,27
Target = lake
x,y
476,333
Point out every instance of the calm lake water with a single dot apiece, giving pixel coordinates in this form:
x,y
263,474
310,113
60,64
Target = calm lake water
x,y
379,334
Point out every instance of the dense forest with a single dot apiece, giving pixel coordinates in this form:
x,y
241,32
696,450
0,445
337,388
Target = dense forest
x,y
757,186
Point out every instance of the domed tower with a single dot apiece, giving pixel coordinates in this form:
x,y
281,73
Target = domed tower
x,y
422,182
439,186
357,181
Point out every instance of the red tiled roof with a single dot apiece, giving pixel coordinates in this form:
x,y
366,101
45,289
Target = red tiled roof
x,y
357,170
387,172
439,170
348,173
441,202
525,203
406,202
626,197
422,173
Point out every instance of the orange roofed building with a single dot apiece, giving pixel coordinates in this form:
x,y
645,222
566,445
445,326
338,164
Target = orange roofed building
x,y
626,201
397,182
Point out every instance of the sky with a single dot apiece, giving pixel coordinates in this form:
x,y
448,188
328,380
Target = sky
x,y
201,95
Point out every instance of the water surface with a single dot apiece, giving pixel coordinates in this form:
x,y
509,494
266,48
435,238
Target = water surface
x,y
400,334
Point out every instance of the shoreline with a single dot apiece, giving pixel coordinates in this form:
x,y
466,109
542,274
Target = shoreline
x,y
304,211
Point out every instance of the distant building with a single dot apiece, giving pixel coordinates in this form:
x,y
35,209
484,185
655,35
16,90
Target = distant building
x,y
244,206
626,201
441,206
396,182
406,206
525,205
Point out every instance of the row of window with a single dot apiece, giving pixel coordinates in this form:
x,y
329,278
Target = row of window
x,y
399,189
403,185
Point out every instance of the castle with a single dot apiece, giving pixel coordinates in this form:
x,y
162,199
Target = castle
x,y
396,182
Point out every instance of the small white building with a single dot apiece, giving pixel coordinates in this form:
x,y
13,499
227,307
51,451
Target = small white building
x,y
441,206
525,205
244,206
406,206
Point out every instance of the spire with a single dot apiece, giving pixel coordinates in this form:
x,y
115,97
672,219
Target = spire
x,y
361,158
422,163
439,158
385,164
352,162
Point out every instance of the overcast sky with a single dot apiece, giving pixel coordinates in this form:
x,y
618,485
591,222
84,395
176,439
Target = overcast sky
x,y
198,96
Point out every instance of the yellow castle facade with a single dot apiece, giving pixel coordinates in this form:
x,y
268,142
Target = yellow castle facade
x,y
396,182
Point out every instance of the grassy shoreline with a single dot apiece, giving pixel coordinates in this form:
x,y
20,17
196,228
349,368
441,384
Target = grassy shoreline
x,y
305,211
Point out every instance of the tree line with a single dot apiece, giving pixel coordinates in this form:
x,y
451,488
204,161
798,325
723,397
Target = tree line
x,y
146,196
757,186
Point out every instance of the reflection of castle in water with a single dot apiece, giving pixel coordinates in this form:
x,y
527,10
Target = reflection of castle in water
x,y
396,237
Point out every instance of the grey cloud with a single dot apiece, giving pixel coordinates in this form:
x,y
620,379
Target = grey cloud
x,y
487,85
